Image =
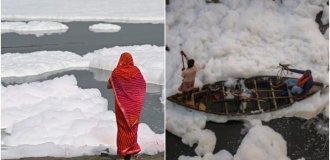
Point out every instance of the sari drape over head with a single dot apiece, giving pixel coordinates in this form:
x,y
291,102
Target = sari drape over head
x,y
129,88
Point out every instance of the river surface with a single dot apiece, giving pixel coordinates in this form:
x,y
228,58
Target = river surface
x,y
80,40
302,137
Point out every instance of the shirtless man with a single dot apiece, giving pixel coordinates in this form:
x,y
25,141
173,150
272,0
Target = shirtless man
x,y
188,75
188,80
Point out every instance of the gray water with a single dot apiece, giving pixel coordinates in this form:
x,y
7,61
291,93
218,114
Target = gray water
x,y
80,40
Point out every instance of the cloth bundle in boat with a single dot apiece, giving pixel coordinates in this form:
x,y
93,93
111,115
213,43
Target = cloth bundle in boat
x,y
129,88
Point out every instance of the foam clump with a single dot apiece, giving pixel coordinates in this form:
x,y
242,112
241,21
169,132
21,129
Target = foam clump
x,y
34,63
50,149
37,28
262,142
221,155
104,27
58,115
248,45
241,39
149,59
189,126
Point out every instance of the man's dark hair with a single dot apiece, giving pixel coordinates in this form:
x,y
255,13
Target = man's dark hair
x,y
191,63
308,71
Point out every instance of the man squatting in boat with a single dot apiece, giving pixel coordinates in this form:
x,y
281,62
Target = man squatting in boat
x,y
298,86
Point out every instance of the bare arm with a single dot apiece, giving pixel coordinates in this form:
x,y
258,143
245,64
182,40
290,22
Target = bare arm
x,y
296,71
183,73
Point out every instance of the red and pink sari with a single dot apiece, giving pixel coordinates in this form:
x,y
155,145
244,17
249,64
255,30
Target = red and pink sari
x,y
129,88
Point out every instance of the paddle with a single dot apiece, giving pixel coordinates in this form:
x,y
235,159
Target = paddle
x,y
185,56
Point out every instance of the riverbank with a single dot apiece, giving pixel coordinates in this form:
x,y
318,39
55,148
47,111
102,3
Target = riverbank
x,y
159,156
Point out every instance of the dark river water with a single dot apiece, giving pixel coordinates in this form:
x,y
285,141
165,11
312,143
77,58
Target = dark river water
x,y
302,137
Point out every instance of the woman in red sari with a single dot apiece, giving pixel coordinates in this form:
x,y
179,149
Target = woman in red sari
x,y
129,88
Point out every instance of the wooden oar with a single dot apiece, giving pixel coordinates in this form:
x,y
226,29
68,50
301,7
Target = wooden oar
x,y
185,56
182,62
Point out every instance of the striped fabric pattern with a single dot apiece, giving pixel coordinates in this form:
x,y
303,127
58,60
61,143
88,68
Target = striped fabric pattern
x,y
129,94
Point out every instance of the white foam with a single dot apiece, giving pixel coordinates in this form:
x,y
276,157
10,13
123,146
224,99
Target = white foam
x,y
249,46
189,126
243,39
326,34
326,111
149,59
17,64
58,114
180,121
262,142
37,28
132,11
221,155
104,27
187,123
50,149
205,139
325,14
22,101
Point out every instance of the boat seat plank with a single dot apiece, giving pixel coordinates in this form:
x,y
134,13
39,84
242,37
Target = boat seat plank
x,y
266,90
290,95
256,88
273,94
224,95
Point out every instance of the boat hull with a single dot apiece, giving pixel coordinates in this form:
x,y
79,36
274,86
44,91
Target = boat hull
x,y
244,96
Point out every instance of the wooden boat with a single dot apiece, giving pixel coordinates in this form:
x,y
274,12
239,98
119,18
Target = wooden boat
x,y
246,97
